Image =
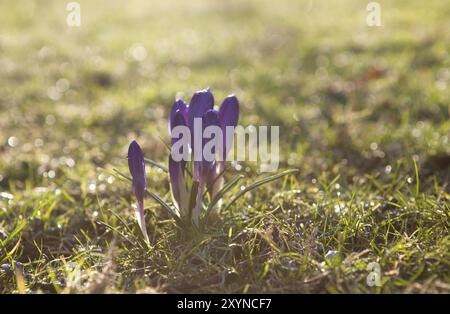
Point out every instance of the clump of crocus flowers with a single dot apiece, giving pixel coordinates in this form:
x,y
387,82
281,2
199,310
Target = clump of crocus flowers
x,y
197,183
201,175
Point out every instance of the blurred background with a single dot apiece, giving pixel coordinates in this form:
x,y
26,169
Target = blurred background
x,y
341,91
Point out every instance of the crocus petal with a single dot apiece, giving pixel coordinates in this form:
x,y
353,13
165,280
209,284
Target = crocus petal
x,y
204,167
137,169
201,168
178,106
139,213
178,120
174,176
228,116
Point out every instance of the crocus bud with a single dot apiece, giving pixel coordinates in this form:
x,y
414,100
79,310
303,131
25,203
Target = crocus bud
x,y
137,169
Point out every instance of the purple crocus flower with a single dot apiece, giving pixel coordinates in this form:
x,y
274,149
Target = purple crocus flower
x,y
137,169
205,173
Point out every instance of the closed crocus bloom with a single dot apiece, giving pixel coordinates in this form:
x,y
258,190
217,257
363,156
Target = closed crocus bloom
x,y
201,102
176,172
179,106
137,169
228,118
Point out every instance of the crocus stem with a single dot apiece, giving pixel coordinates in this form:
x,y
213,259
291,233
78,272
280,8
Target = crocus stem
x,y
141,220
216,187
198,203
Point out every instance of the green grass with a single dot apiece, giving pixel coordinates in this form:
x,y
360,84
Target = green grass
x,y
363,113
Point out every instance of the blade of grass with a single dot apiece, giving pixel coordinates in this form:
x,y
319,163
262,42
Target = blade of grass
x,y
165,205
157,165
259,183
16,230
416,170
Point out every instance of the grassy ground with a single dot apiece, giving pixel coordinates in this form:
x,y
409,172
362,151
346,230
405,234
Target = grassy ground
x,y
357,107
